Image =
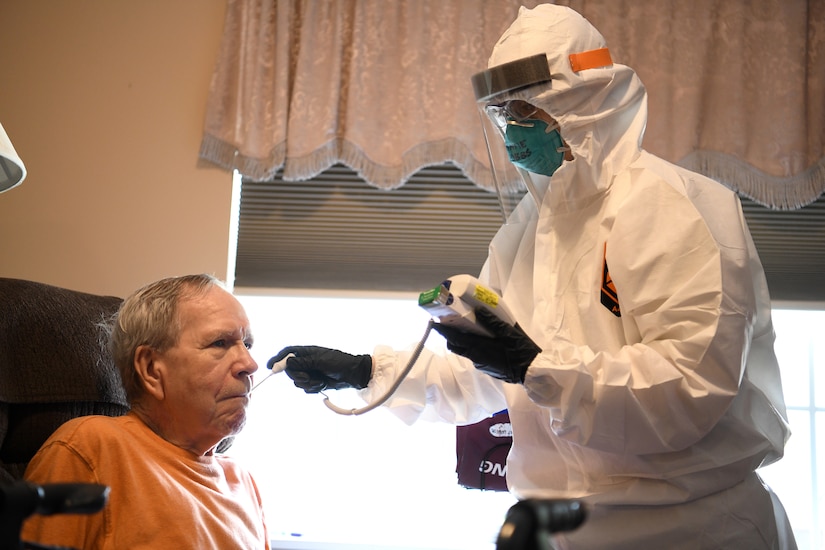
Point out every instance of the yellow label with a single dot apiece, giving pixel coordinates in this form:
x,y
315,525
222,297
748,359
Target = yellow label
x,y
486,296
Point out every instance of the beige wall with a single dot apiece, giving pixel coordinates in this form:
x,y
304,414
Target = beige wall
x,y
104,101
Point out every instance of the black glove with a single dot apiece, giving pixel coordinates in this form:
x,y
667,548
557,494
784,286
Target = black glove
x,y
505,356
315,369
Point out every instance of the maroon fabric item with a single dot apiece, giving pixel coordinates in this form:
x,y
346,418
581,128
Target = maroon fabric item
x,y
481,453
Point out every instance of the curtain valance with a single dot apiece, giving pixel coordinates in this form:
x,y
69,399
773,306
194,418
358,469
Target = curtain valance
x,y
737,88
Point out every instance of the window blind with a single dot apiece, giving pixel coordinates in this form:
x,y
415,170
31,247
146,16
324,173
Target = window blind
x,y
336,232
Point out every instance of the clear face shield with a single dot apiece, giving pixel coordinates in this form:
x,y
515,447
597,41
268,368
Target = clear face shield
x,y
514,137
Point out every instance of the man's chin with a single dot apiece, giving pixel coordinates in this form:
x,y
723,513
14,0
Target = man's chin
x,y
233,424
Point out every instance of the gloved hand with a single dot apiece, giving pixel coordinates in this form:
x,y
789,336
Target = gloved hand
x,y
505,356
315,369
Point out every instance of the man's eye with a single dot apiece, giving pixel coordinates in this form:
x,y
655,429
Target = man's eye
x,y
248,344
219,344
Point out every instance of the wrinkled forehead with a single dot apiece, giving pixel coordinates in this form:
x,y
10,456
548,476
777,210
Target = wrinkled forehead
x,y
211,308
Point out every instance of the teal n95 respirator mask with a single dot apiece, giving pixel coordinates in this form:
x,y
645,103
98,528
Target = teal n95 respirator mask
x,y
534,145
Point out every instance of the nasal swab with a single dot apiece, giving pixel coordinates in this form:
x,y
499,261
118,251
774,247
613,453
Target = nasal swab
x,y
280,366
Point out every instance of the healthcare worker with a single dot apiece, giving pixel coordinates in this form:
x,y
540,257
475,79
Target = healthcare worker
x,y
641,376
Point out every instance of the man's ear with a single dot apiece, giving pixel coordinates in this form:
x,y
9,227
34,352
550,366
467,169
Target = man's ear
x,y
148,371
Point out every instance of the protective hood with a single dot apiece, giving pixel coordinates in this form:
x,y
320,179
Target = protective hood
x,y
601,111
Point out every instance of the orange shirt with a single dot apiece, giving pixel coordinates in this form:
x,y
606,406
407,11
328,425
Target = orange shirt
x,y
161,496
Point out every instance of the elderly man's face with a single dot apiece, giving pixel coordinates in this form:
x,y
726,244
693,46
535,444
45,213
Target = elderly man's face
x,y
208,372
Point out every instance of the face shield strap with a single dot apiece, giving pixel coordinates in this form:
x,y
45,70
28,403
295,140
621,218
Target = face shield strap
x,y
511,76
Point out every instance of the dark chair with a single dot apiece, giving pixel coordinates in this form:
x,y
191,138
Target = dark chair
x,y
54,366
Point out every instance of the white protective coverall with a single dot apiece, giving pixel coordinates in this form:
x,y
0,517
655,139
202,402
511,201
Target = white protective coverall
x,y
658,408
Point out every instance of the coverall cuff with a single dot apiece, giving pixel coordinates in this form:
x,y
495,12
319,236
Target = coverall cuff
x,y
384,373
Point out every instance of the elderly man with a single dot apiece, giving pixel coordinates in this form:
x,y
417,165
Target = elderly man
x,y
182,348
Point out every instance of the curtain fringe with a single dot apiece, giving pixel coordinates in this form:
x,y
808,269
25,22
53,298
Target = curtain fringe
x,y
226,155
217,152
773,192
389,177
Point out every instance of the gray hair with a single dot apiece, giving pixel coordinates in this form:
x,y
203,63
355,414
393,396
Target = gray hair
x,y
149,317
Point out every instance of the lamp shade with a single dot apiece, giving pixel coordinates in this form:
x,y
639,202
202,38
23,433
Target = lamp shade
x,y
12,171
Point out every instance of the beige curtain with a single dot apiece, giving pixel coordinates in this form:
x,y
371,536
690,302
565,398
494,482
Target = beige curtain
x,y
737,87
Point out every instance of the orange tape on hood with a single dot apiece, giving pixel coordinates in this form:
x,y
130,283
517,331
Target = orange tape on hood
x,y
592,59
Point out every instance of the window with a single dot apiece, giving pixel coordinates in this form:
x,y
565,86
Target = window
x,y
336,482
797,477
341,482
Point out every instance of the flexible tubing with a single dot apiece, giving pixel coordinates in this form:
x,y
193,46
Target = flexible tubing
x,y
383,399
